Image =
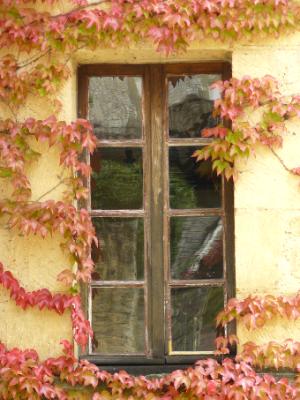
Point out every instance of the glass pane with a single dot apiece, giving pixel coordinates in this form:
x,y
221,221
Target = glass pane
x,y
192,184
190,104
117,180
196,247
120,255
115,107
193,317
118,320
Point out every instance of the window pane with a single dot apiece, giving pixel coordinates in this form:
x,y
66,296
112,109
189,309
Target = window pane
x,y
117,180
190,104
120,255
118,320
196,247
193,317
192,183
115,107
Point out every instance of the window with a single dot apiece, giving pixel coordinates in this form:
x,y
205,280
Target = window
x,y
164,267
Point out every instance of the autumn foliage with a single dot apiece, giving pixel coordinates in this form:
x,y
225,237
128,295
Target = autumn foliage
x,y
171,24
24,375
36,47
238,141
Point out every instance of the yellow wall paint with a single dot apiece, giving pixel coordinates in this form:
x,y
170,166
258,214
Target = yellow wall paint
x,y
267,198
267,215
35,262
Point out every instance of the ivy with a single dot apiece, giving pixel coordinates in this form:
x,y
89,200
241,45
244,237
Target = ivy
x,y
72,139
170,24
241,98
25,376
255,311
43,299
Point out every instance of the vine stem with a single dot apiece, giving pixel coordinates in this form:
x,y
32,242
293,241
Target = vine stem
x,y
60,182
66,14
33,59
281,161
96,3
10,108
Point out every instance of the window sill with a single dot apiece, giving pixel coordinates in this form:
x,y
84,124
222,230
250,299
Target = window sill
x,y
144,366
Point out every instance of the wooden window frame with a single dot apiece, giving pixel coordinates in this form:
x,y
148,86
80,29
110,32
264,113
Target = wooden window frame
x,y
155,144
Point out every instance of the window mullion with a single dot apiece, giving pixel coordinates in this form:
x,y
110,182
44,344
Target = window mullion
x,y
155,92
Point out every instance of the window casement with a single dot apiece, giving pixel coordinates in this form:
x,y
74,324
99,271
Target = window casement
x,y
164,266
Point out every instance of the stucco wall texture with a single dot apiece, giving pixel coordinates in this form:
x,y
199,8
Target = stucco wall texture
x,y
267,199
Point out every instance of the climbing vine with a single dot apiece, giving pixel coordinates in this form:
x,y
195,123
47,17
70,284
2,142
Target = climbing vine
x,y
239,141
36,47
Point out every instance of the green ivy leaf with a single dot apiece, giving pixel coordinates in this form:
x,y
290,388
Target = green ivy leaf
x,y
6,173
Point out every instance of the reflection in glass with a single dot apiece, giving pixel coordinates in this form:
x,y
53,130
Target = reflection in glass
x,y
192,184
120,255
193,317
115,107
118,320
196,247
117,180
190,100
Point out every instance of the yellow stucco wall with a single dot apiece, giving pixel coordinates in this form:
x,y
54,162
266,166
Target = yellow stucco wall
x,y
267,199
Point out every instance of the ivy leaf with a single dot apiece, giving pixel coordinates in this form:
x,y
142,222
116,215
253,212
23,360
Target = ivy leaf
x,y
5,172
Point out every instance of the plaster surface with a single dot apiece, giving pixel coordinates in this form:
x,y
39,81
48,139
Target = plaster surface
x,y
267,197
